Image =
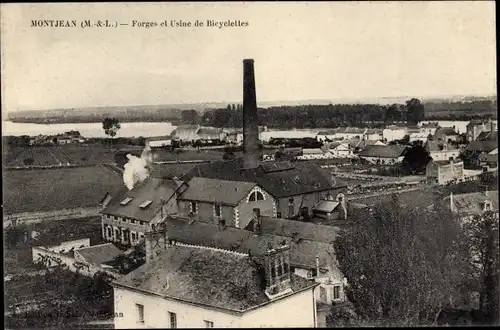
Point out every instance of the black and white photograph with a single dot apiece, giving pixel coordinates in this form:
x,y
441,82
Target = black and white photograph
x,y
249,164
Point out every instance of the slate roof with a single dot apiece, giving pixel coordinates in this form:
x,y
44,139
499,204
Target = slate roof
x,y
99,254
389,151
437,146
302,251
490,136
160,138
202,276
446,131
290,180
210,190
298,229
177,170
328,132
153,189
430,125
485,146
326,206
471,203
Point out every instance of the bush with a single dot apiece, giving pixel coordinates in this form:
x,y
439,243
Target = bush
x,y
28,161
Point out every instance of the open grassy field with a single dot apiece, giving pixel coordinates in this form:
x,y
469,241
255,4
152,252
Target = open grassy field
x,y
74,154
56,189
162,155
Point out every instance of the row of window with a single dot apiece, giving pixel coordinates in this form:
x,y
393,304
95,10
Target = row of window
x,y
112,217
171,316
254,196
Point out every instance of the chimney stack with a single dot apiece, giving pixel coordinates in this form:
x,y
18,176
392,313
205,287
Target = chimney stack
x,y
317,265
251,155
256,220
156,241
277,269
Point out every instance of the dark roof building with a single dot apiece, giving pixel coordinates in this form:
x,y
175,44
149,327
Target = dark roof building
x,y
99,254
223,191
389,151
482,146
280,179
487,136
145,200
207,277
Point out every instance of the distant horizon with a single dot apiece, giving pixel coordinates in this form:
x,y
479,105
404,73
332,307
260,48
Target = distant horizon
x,y
333,101
302,51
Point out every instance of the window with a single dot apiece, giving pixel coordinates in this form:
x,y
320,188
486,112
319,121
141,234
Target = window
x,y
256,196
336,292
217,209
117,233
110,232
133,236
140,313
322,294
145,204
193,207
173,320
126,201
209,324
132,221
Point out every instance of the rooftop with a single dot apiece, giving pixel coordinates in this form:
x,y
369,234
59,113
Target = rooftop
x,y
200,276
151,189
280,179
210,190
99,254
480,146
389,151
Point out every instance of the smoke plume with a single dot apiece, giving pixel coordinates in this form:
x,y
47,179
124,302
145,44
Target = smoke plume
x,y
137,169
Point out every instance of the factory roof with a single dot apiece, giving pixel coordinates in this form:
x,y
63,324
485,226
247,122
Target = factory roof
x,y
99,254
280,179
206,277
389,151
305,239
144,201
215,190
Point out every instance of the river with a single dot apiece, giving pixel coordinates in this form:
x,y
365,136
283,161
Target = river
x,y
137,129
88,130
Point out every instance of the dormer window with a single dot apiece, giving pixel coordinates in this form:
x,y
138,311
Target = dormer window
x,y
256,196
217,209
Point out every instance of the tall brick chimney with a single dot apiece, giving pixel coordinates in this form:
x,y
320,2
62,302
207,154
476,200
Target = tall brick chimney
x,y
251,155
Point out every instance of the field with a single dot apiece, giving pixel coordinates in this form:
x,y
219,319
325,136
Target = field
x,y
56,189
58,155
162,155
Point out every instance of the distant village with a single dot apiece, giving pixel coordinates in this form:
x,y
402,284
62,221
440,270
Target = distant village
x,y
250,241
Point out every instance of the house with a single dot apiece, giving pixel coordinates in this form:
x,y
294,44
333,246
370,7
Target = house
x,y
477,126
418,136
331,208
210,134
314,153
429,128
186,133
345,133
446,134
343,150
373,134
383,155
475,152
220,200
126,217
394,132
294,186
196,287
439,150
487,136
159,141
326,135
443,172
234,135
64,140
92,259
473,204
490,160
311,250
357,144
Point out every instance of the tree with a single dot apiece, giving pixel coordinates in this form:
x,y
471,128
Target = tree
x,y
111,126
391,113
416,159
415,111
483,233
404,265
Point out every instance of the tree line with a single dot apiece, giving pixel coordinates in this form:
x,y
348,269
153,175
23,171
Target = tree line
x,y
407,266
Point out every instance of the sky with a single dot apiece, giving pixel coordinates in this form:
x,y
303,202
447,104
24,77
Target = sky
x,y
302,51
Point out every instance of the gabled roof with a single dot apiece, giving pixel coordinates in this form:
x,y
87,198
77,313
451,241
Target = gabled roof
x,y
430,125
485,146
152,189
296,179
99,254
298,229
389,151
209,131
203,276
326,206
446,131
215,190
246,241
437,146
487,136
